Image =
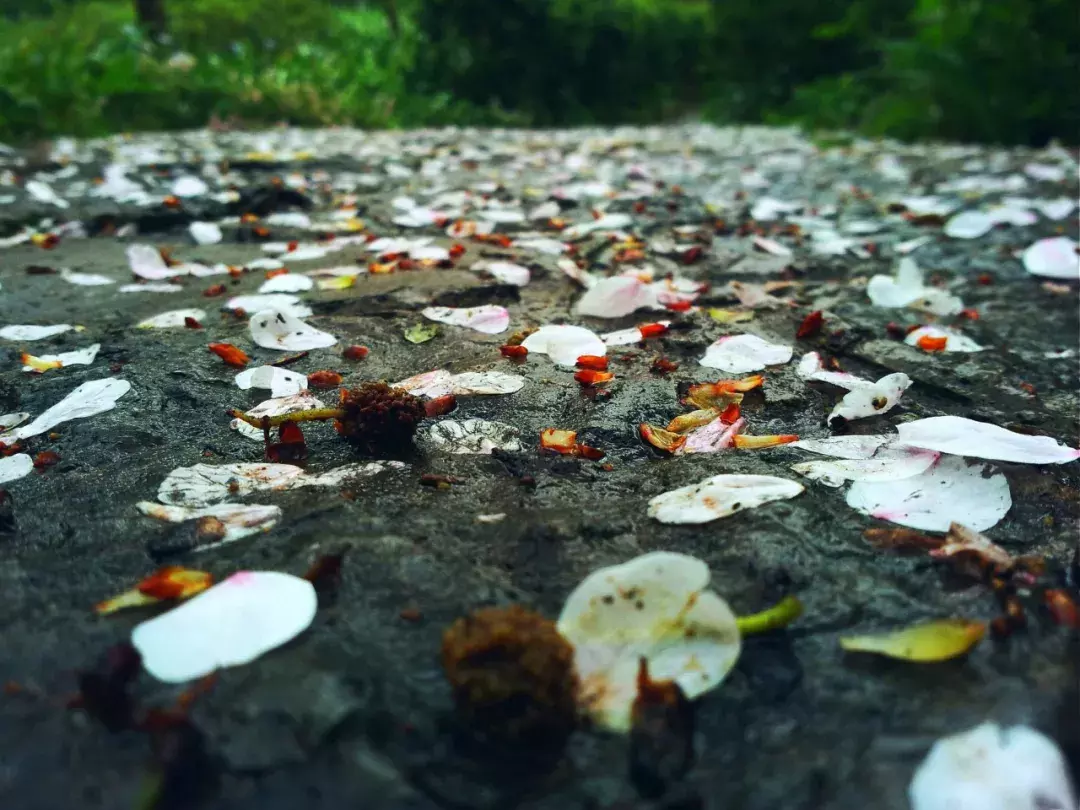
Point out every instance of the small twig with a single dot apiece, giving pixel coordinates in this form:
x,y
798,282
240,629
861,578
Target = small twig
x,y
292,358
266,422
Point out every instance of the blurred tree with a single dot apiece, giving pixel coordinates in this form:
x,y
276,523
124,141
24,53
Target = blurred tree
x,y
151,17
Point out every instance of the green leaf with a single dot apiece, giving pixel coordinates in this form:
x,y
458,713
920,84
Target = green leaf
x,y
421,333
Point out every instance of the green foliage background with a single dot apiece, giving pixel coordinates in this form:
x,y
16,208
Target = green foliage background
x,y
983,70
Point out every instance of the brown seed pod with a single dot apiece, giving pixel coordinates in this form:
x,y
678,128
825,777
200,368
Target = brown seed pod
x,y
376,414
513,676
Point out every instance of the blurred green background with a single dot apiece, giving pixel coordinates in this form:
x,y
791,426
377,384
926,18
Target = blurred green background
x,y
1004,71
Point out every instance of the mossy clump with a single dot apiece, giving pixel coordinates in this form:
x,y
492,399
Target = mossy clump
x,y
513,677
376,414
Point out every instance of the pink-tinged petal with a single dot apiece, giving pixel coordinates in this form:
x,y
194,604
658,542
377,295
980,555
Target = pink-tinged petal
x,y
966,437
1056,257
565,343
741,354
616,297
490,319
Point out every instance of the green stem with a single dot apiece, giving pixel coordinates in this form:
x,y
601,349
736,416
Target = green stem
x,y
310,415
779,615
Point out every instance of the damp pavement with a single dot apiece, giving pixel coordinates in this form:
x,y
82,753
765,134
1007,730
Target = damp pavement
x,y
355,712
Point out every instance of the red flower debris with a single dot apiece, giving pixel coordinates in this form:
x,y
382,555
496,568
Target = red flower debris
x,y
45,241
45,459
564,442
356,352
649,330
191,323
811,325
440,406
692,255
290,448
661,365
514,352
679,306
985,279
324,379
970,314
895,330
932,344
744,442
230,354
214,290
731,413
457,250
661,438
172,201
281,271
592,361
175,582
1062,607
902,539
590,378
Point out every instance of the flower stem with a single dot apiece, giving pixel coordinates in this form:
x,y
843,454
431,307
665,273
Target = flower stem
x,y
310,415
779,615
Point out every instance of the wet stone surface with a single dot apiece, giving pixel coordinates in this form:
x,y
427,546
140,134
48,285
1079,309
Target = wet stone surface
x,y
355,712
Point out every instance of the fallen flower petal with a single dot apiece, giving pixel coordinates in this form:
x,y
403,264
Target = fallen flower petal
x,y
290,283
233,521
564,343
948,492
273,329
29,332
559,441
231,355
992,768
967,542
907,289
474,436
889,464
654,608
810,326
589,378
89,399
489,318
931,343
205,233
278,406
617,297
713,437
14,467
872,400
324,379
694,419
941,338
661,439
931,641
1056,257
852,447
170,582
280,381
485,383
172,319
720,496
740,354
285,303
356,353
744,442
231,624
591,361
967,437
515,352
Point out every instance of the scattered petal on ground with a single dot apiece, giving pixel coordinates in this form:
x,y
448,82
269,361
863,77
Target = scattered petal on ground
x,y
229,625
280,381
810,368
85,279
888,464
277,406
720,496
470,436
288,283
146,262
205,233
993,768
564,343
14,467
906,289
204,484
1056,257
485,382
273,329
739,354
286,303
237,520
966,437
506,272
616,297
872,400
172,319
954,341
948,492
489,318
89,399
964,541
30,332
79,357
654,607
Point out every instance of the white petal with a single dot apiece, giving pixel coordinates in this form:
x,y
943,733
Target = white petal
x,y
810,368
654,607
771,246
282,302
564,343
549,247
289,219
85,279
171,319
966,437
607,222
851,447
151,287
889,464
713,437
29,332
273,329
42,192
1046,172
265,263
189,186
625,337
239,520
486,382
89,399
768,208
205,233
489,318
204,484
15,467
10,420
954,341
290,283
740,354
720,496
146,262
79,357
970,225
1056,209
906,289
228,625
280,381
502,216
873,400
616,297
948,492
993,768
508,273
477,436
1056,257
430,384
279,405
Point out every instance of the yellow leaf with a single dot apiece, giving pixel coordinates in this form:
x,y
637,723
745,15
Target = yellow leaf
x,y
730,315
336,283
937,640
132,598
